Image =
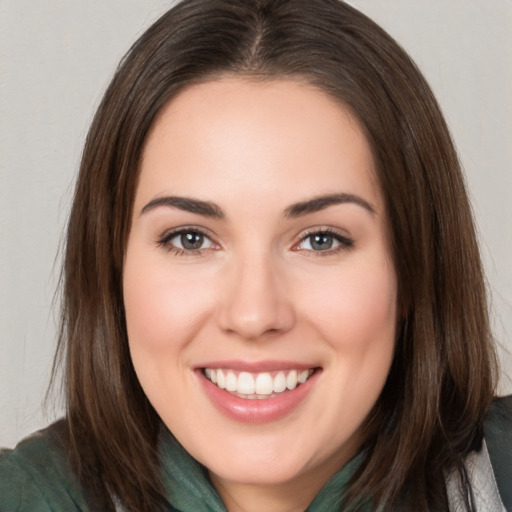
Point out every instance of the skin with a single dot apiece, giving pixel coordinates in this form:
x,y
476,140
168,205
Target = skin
x,y
257,290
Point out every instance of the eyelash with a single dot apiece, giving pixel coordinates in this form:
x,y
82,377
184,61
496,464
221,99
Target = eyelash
x,y
165,241
345,243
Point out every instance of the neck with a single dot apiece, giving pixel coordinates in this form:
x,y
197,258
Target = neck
x,y
271,498
291,496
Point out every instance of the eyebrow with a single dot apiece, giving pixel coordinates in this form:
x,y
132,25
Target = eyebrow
x,y
187,204
321,202
210,209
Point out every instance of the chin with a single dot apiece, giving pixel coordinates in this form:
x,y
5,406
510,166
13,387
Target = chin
x,y
259,473
268,461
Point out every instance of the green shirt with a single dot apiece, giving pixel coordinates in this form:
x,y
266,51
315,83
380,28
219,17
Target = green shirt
x,y
36,477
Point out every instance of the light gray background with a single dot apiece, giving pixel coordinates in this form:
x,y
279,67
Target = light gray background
x,y
56,57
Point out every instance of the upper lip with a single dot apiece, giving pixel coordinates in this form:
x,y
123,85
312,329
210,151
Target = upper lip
x,y
256,366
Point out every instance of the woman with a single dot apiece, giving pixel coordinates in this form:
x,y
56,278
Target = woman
x,y
273,296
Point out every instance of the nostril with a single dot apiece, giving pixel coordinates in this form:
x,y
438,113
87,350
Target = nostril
x,y
253,320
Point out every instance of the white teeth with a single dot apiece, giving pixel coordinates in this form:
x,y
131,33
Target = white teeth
x,y
259,385
303,376
246,384
231,382
291,380
279,382
221,380
264,384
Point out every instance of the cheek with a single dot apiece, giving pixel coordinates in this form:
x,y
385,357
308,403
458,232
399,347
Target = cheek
x,y
164,307
164,311
358,314
358,322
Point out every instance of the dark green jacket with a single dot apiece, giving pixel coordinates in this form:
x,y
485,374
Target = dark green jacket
x,y
35,477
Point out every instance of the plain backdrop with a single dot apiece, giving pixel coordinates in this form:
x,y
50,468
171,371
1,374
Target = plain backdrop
x,y
56,58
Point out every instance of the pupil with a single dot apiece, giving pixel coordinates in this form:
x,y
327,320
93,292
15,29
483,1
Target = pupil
x,y
321,242
192,241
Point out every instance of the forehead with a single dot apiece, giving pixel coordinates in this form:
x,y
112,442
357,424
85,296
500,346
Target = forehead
x,y
233,132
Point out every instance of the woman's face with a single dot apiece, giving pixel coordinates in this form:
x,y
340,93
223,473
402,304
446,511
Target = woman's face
x,y
259,289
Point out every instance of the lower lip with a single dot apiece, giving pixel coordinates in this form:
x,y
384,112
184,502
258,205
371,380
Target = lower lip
x,y
257,410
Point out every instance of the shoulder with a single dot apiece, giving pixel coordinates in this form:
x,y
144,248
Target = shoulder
x,y
36,475
498,437
499,416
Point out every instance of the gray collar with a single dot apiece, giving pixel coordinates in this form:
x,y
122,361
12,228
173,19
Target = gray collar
x,y
482,480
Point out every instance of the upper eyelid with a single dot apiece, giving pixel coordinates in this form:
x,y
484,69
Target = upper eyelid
x,y
169,234
186,229
325,230
344,239
341,234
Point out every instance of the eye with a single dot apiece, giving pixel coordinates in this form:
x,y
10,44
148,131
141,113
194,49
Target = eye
x,y
325,241
186,240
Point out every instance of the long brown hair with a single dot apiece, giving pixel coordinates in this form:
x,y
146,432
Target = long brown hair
x,y
429,415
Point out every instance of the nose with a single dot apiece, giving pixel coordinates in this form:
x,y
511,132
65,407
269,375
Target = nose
x,y
255,302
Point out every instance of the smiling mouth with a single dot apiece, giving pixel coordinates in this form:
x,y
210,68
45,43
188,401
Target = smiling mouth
x,y
261,385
